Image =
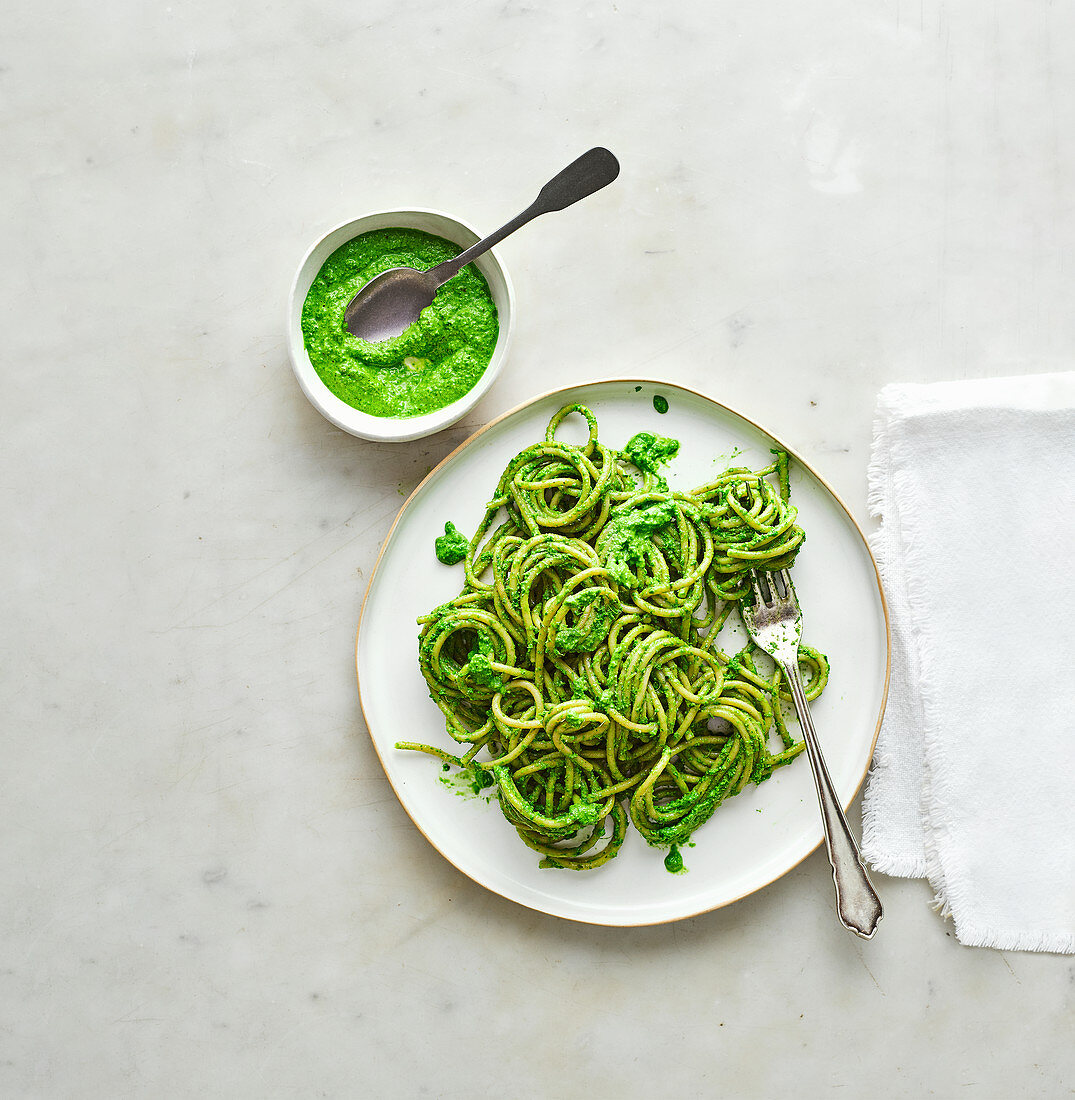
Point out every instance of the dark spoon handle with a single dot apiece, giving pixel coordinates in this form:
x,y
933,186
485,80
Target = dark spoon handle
x,y
582,177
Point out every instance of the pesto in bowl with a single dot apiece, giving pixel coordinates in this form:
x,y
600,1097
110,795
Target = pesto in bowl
x,y
438,360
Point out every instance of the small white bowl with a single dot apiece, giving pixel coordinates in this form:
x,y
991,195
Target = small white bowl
x,y
382,428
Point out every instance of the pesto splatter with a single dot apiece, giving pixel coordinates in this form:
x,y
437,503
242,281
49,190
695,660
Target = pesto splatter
x,y
468,783
451,547
660,403
649,452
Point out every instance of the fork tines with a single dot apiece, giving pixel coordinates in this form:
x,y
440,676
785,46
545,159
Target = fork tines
x,y
766,589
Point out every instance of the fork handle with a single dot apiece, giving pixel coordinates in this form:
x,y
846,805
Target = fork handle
x,y
857,903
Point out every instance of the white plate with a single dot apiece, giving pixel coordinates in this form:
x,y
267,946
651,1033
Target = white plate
x,y
753,838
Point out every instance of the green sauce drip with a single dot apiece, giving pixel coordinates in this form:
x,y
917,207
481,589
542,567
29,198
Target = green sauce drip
x,y
435,362
673,862
451,547
660,403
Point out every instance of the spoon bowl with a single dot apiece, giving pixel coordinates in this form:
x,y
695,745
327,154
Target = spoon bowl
x,y
390,303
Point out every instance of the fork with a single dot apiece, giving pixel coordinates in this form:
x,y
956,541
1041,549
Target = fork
x,y
775,623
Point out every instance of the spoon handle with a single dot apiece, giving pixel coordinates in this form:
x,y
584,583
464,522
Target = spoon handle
x,y
582,177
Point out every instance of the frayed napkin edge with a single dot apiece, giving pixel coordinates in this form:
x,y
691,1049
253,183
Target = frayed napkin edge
x,y
973,935
935,790
899,866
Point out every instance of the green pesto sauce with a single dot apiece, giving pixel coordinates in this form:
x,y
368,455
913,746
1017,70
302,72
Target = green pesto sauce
x,y
469,782
603,611
673,862
649,452
481,780
660,403
435,362
625,539
451,547
480,669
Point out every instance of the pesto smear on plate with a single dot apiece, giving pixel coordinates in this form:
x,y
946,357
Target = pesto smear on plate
x,y
435,362
451,547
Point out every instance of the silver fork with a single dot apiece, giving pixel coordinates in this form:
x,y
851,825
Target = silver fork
x,y
775,623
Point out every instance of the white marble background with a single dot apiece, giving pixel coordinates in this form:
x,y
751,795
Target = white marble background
x,y
208,888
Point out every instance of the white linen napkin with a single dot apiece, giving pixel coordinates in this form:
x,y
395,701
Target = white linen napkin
x,y
973,781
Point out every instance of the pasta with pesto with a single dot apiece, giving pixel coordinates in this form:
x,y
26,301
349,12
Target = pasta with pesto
x,y
579,670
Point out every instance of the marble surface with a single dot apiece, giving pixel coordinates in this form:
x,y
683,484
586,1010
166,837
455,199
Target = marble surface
x,y
209,888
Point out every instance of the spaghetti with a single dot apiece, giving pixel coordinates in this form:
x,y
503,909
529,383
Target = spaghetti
x,y
579,669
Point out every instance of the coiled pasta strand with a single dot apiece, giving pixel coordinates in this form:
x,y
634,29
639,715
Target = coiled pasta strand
x,y
580,664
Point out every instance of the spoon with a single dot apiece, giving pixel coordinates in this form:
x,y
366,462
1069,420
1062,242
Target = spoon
x,y
390,302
